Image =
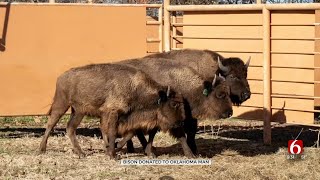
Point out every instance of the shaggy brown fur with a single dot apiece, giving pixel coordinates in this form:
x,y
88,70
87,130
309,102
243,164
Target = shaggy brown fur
x,y
124,98
205,62
215,104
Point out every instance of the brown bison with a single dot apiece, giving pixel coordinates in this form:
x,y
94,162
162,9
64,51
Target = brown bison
x,y
207,64
124,98
203,99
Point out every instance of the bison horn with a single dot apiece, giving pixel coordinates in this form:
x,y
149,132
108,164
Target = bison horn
x,y
221,66
168,91
248,62
214,80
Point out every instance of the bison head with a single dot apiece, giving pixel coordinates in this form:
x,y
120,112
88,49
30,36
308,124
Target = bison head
x,y
171,111
217,103
234,70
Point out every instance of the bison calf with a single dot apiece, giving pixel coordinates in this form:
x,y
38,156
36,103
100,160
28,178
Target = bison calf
x,y
124,98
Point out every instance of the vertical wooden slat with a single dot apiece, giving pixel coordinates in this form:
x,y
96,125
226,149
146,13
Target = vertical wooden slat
x,y
259,2
166,27
174,29
317,58
266,77
160,29
52,1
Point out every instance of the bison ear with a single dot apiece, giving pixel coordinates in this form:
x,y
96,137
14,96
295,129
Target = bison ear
x,y
162,97
207,88
248,62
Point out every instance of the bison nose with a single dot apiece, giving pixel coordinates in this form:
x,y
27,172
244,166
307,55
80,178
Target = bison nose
x,y
227,114
246,95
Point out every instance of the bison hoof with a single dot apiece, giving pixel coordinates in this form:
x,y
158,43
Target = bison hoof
x,y
115,157
80,153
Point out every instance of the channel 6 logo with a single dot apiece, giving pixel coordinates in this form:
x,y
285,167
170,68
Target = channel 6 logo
x,y
295,146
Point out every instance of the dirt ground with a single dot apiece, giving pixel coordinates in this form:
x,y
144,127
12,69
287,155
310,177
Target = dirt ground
x,y
235,148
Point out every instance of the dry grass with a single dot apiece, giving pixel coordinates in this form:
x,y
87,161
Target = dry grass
x,y
236,152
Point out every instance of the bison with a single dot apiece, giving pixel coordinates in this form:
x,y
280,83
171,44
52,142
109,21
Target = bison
x,y
207,64
203,99
125,99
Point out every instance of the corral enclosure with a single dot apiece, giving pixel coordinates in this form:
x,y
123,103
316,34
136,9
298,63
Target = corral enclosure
x,y
39,42
293,46
282,42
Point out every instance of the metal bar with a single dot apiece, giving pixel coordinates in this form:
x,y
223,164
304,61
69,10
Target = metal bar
x,y
166,27
266,76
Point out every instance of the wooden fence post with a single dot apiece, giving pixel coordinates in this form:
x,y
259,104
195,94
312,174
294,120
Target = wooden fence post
x,y
166,25
266,76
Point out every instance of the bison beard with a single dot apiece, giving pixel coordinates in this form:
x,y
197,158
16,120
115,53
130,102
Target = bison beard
x,y
124,98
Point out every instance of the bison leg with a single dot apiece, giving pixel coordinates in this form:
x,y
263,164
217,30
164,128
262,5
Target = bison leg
x,y
180,135
142,139
109,127
124,140
190,126
130,148
57,110
148,149
72,125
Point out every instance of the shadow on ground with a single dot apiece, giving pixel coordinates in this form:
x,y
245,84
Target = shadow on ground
x,y
247,141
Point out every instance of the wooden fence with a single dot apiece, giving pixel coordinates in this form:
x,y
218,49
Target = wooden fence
x,y
283,42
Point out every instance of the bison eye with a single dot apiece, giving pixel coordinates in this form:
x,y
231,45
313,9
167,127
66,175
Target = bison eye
x,y
221,95
174,104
